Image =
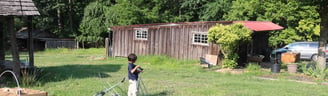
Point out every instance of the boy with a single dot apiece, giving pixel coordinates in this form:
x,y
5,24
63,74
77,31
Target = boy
x,y
133,74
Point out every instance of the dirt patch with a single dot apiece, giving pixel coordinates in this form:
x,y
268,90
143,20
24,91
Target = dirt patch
x,y
232,71
96,58
298,77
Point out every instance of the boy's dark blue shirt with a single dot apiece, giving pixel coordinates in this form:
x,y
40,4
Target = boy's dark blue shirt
x,y
132,76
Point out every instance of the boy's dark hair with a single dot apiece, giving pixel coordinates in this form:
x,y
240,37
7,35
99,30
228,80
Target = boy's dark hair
x,y
132,57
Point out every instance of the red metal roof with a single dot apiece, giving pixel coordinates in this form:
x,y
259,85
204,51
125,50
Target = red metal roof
x,y
167,24
260,25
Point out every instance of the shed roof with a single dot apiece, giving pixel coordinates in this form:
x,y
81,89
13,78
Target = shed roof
x,y
23,34
18,8
253,25
260,25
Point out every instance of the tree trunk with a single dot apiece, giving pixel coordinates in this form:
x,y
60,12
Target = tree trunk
x,y
323,38
70,16
13,44
60,26
30,42
2,41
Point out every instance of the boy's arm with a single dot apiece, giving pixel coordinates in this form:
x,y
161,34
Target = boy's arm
x,y
135,69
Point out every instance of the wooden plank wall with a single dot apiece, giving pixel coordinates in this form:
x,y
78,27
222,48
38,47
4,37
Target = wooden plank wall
x,y
174,41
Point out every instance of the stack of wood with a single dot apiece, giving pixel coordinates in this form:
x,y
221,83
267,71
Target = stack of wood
x,y
290,57
255,58
23,92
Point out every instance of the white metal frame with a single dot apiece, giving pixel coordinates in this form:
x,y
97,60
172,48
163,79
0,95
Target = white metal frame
x,y
202,38
141,33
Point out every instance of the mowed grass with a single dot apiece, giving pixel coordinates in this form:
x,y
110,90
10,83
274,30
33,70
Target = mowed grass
x,y
83,72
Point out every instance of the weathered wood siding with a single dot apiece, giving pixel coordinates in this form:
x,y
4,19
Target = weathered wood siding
x,y
175,41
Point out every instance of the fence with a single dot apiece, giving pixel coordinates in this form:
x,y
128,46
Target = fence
x,y
61,43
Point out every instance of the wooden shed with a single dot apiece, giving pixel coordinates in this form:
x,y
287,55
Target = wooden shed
x,y
9,9
184,40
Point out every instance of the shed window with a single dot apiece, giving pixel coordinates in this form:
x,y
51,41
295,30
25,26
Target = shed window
x,y
141,33
200,38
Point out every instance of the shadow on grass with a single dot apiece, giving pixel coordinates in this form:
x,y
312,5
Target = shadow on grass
x,y
164,93
60,73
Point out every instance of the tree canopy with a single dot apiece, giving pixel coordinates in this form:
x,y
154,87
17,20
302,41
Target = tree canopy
x,y
301,22
84,19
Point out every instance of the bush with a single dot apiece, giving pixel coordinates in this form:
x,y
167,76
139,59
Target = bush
x,y
253,67
230,37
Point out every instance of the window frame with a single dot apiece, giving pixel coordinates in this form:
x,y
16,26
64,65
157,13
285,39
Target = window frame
x,y
201,38
141,35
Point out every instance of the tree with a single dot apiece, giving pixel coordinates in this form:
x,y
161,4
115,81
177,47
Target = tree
x,y
93,27
215,10
290,14
14,50
70,15
322,9
193,9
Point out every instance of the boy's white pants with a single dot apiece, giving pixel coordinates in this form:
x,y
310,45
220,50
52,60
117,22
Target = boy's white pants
x,y
133,88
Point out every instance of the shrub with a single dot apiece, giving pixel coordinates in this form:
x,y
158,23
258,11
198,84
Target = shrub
x,y
31,77
253,67
227,63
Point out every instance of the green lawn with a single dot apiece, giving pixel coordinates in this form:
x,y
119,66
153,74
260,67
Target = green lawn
x,y
82,73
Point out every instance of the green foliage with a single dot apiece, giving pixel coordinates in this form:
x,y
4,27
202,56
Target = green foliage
x,y
244,10
313,71
280,38
229,37
193,9
215,10
125,13
310,29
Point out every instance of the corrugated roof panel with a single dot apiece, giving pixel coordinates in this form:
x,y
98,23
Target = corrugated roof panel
x,y
260,25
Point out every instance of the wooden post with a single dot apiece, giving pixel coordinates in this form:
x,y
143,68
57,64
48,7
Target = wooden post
x,y
110,43
2,41
13,44
30,41
107,47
